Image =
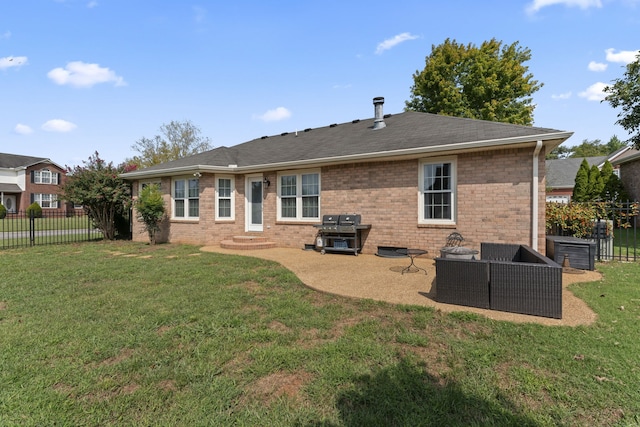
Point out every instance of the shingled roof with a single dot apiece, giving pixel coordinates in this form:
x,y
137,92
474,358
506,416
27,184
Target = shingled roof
x,y
406,134
12,161
561,173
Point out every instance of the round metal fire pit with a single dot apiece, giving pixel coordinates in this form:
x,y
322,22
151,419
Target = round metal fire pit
x,y
458,252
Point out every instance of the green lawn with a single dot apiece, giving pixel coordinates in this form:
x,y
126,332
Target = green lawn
x,y
121,333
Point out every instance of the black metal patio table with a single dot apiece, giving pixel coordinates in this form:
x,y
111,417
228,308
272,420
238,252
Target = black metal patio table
x,y
412,253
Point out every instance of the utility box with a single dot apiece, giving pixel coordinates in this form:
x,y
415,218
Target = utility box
x,y
581,252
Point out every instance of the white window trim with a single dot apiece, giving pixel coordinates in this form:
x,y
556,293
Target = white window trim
x,y
299,217
38,177
454,191
186,217
232,197
53,200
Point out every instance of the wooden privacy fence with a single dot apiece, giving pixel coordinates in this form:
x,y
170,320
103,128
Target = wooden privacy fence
x,y
21,229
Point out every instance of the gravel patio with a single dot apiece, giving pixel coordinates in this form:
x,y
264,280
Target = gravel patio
x,y
381,279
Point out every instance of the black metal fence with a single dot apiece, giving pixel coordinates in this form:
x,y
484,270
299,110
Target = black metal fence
x,y
22,229
613,226
615,233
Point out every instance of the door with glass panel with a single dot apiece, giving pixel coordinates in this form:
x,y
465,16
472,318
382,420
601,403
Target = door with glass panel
x,y
254,204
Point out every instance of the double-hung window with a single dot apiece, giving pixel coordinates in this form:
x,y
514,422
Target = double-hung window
x,y
225,208
46,201
186,198
299,196
437,191
45,176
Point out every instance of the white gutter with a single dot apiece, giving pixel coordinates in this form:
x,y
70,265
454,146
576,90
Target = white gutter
x,y
534,197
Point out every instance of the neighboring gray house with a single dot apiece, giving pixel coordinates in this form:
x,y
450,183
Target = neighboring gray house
x,y
561,173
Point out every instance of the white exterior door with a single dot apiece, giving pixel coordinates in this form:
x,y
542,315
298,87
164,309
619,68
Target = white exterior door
x,y
10,203
254,203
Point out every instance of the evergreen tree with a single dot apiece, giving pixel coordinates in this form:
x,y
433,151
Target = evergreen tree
x,y
596,185
580,189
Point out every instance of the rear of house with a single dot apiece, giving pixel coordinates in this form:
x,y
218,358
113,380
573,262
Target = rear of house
x,y
415,177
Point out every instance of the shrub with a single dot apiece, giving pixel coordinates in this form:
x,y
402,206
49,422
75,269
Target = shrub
x,y
150,210
3,211
34,210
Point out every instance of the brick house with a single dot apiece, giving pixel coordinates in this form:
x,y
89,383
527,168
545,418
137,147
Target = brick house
x,y
630,174
26,179
415,177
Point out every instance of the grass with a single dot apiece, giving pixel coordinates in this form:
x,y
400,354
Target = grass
x,y
626,243
130,334
52,228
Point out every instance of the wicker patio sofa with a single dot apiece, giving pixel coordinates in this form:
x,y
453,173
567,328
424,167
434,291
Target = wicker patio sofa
x,y
507,277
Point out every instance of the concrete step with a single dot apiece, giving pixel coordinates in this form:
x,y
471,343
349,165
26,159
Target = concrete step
x,y
247,242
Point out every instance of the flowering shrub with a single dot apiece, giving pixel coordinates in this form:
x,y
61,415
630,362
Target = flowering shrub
x,y
577,219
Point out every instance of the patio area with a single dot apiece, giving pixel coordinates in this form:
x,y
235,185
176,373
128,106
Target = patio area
x,y
381,279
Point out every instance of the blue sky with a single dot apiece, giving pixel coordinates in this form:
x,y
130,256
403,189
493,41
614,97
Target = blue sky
x,y
79,76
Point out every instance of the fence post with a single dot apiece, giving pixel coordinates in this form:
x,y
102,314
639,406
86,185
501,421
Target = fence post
x,y
32,228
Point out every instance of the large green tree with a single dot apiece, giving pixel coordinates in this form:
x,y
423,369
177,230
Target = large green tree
x,y
489,82
96,186
588,148
177,140
625,93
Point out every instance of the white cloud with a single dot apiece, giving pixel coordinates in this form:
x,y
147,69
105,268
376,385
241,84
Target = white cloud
x,y
565,95
58,125
536,5
597,66
81,74
278,114
22,129
92,4
594,92
12,61
394,41
5,35
624,56
200,14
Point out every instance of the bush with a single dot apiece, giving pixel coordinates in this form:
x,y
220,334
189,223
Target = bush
x,y
3,211
34,210
150,210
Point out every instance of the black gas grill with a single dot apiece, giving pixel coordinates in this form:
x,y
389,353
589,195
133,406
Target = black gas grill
x,y
341,233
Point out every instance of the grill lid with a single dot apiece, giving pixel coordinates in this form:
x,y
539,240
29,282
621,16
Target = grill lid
x,y
330,219
349,219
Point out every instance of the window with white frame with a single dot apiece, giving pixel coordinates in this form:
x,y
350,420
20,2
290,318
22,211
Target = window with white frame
x,y
437,191
225,208
46,201
45,176
299,196
186,198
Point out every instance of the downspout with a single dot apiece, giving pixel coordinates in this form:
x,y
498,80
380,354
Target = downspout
x,y
534,197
